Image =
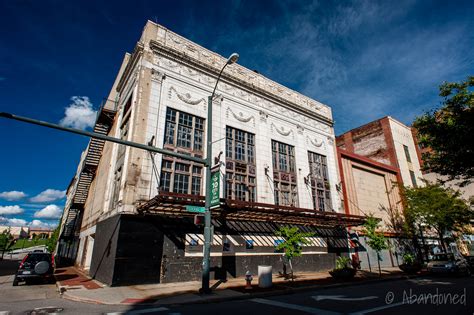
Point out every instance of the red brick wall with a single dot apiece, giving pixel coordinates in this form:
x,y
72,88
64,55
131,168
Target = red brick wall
x,y
373,140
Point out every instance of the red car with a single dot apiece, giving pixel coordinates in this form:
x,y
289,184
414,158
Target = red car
x,y
35,266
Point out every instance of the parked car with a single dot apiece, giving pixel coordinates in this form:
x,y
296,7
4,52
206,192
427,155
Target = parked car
x,y
448,263
35,266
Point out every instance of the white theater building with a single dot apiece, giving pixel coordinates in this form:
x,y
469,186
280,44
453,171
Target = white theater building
x,y
274,146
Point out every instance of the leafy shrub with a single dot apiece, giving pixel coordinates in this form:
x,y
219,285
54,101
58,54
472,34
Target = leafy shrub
x,y
408,259
342,263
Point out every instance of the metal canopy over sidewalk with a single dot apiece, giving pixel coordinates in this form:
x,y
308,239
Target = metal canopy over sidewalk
x,y
172,204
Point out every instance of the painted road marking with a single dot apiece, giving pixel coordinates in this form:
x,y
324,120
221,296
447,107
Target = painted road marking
x,y
310,310
343,298
370,310
144,311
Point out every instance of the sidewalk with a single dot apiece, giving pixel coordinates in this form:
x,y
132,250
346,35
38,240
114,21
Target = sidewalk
x,y
76,286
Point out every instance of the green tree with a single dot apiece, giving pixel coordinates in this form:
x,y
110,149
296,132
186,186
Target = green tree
x,y
377,240
448,132
35,238
6,241
52,241
293,239
437,207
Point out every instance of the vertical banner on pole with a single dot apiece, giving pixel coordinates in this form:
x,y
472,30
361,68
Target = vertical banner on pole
x,y
215,189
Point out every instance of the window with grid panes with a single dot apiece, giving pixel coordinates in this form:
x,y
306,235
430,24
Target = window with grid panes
x,y
240,165
284,174
319,182
184,134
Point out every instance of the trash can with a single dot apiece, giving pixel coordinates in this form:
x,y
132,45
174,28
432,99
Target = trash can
x,y
264,276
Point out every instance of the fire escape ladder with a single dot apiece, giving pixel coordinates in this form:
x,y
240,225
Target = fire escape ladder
x,y
88,171
94,152
69,224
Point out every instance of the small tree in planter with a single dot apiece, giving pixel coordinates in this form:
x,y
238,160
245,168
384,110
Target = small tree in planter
x,y
377,240
293,239
343,269
410,264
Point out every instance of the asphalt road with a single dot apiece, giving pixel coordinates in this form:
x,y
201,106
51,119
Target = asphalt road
x,y
427,295
394,297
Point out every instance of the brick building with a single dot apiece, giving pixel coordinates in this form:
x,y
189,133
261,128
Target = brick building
x,y
374,159
389,142
16,231
125,219
42,233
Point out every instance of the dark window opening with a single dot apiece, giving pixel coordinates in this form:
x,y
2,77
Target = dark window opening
x,y
284,174
184,133
319,181
240,165
407,153
413,179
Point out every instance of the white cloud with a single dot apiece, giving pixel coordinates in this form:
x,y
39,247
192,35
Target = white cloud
x,y
16,222
41,224
49,195
49,212
79,114
9,210
12,195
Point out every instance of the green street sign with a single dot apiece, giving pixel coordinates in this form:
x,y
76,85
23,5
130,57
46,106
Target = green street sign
x,y
215,189
195,209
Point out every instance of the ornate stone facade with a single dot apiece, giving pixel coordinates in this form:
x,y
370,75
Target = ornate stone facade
x,y
169,74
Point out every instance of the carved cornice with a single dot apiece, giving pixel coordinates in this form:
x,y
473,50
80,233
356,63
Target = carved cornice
x,y
300,129
330,141
185,97
240,116
157,75
282,130
183,51
315,142
217,99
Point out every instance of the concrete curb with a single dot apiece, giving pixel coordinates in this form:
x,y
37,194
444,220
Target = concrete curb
x,y
66,296
247,296
244,296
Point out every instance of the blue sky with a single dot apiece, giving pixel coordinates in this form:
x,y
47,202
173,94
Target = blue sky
x,y
365,59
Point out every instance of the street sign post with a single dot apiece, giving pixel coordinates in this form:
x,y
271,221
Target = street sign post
x,y
196,209
215,189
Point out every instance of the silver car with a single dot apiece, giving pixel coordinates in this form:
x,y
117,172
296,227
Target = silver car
x,y
447,263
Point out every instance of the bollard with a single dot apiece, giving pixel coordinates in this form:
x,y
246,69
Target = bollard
x,y
248,280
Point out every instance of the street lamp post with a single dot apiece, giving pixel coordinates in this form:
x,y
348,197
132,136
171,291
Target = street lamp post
x,y
207,215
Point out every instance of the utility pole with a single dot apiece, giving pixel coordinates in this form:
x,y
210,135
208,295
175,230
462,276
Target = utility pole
x,y
103,137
